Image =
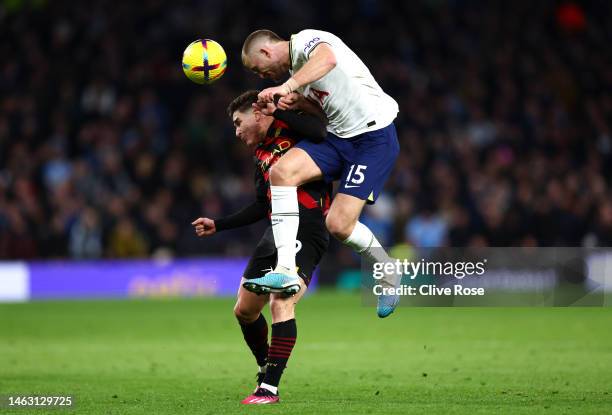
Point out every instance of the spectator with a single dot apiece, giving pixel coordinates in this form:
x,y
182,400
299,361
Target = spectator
x,y
107,150
126,241
86,236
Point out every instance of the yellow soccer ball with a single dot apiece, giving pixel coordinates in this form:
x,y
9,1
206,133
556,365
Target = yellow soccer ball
x,y
204,61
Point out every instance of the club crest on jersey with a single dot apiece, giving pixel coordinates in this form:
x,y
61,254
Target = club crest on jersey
x,y
309,44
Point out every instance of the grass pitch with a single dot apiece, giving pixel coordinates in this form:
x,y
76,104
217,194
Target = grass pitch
x,y
188,356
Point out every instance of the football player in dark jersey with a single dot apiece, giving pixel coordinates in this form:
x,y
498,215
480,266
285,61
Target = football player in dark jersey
x,y
270,133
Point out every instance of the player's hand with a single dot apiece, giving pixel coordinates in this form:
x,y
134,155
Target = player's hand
x,y
290,101
204,226
267,95
266,109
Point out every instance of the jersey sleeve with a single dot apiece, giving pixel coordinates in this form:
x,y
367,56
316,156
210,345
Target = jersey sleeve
x,y
304,42
249,214
306,126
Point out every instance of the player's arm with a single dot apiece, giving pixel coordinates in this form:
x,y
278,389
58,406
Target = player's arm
x,y
310,124
306,125
320,62
245,216
248,215
252,213
299,102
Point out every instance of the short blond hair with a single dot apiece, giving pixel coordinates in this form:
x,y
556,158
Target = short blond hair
x,y
257,35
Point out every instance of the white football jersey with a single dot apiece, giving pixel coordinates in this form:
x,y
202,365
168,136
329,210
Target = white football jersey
x,y
350,96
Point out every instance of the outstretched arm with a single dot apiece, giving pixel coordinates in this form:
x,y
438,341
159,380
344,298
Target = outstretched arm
x,y
321,61
245,216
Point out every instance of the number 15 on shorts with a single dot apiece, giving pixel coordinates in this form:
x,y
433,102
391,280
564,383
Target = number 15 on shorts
x,y
355,176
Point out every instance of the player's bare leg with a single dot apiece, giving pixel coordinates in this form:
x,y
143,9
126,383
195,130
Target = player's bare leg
x,y
295,168
249,305
284,335
282,306
343,223
254,326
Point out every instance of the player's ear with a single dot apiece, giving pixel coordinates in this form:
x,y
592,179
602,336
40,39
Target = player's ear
x,y
265,51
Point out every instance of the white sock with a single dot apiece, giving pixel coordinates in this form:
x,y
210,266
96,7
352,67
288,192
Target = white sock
x,y
285,222
273,389
363,241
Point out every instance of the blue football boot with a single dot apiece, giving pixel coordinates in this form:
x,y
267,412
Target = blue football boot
x,y
387,303
281,280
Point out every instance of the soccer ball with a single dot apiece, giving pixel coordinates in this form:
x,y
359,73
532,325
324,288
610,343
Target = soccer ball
x,y
204,61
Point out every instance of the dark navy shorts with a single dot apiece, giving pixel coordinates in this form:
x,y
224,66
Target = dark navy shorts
x,y
361,163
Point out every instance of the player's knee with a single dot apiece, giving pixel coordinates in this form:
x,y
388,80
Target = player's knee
x,y
245,314
282,174
339,227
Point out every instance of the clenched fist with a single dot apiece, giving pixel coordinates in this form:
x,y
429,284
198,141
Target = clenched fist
x,y
290,101
204,226
265,109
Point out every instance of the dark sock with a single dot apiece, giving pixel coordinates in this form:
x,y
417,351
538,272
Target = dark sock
x,y
283,340
256,336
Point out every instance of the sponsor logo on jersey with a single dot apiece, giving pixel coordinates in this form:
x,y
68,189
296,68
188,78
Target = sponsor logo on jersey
x,y
311,43
280,149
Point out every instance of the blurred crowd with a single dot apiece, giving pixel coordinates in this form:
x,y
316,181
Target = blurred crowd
x,y
107,150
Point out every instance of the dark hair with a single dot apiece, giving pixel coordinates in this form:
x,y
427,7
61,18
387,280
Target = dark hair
x,y
242,102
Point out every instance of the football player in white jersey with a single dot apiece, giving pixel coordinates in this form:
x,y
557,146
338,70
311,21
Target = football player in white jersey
x,y
360,149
